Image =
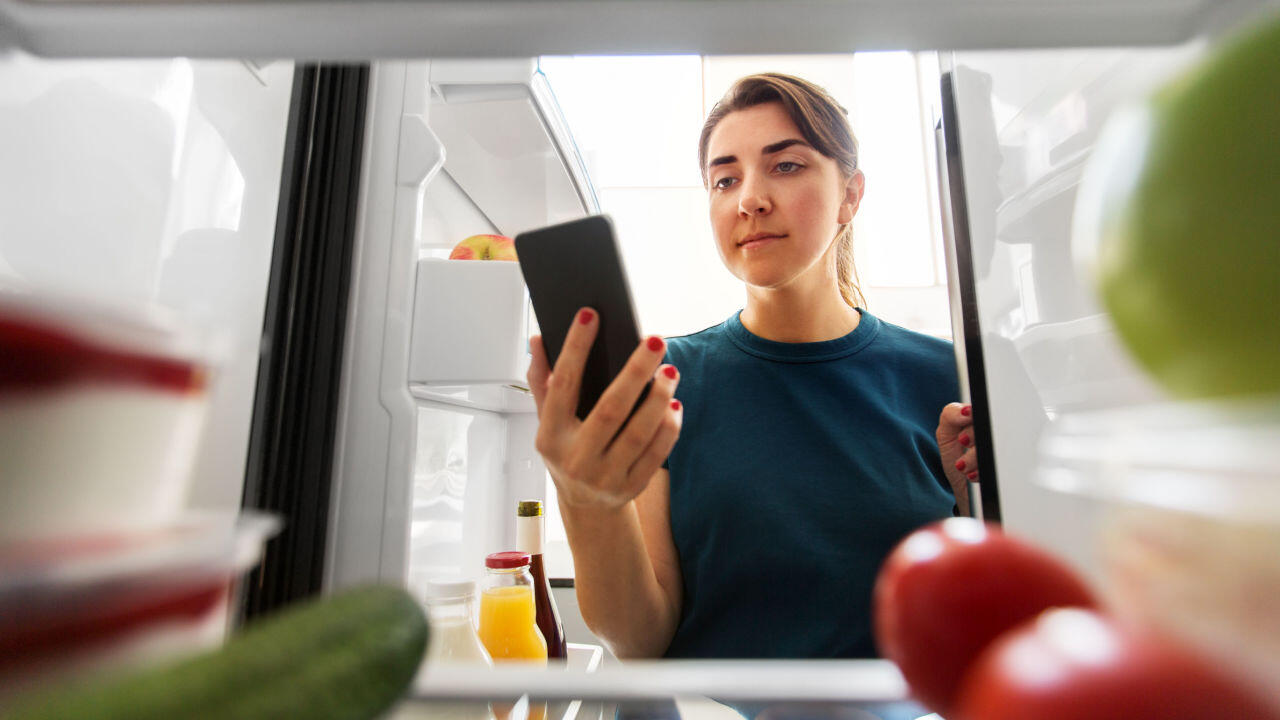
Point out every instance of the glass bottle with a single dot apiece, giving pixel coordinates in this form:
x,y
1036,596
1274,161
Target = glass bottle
x,y
450,609
508,620
451,604
529,540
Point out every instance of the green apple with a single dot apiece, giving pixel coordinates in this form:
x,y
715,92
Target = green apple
x,y
484,247
1184,198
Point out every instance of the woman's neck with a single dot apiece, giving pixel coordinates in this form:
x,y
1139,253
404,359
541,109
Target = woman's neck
x,y
797,315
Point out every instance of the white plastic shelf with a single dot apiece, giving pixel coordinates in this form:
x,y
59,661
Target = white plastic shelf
x,y
366,29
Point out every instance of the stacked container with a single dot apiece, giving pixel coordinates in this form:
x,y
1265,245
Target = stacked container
x,y
1188,536
101,565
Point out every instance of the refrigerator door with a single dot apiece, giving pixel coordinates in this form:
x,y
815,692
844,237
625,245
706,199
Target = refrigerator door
x,y
153,182
435,436
1026,123
364,29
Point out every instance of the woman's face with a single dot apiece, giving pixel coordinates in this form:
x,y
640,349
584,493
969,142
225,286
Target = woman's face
x,y
776,202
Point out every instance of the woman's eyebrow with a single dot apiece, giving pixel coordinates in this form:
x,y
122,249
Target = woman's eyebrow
x,y
783,145
766,150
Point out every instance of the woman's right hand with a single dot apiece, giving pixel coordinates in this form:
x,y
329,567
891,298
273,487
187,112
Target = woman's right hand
x,y
591,462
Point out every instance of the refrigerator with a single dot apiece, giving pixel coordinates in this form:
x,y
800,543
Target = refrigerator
x,y
372,393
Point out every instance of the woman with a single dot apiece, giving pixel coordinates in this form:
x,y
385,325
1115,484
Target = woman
x,y
812,436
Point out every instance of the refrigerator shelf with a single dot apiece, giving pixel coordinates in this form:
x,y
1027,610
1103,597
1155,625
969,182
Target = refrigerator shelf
x,y
348,30
825,681
508,147
1049,202
494,397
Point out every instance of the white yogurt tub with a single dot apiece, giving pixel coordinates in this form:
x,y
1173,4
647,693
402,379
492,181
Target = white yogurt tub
x,y
101,411
1190,532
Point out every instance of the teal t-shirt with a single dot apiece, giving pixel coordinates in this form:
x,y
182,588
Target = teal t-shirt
x,y
799,467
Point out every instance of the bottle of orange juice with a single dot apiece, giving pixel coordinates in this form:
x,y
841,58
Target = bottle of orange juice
x,y
508,620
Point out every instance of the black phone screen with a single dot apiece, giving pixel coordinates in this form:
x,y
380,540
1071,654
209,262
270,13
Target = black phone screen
x,y
574,265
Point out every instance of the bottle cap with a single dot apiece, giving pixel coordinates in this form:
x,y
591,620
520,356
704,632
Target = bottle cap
x,y
450,587
507,560
529,508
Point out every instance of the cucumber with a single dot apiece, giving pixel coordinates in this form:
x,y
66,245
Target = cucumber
x,y
348,656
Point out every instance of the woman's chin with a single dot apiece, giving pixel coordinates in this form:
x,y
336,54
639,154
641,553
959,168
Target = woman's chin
x,y
766,280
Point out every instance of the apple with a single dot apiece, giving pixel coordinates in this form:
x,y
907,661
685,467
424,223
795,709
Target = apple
x,y
485,247
1178,218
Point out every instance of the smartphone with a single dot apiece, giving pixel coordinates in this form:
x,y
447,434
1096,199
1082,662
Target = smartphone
x,y
574,265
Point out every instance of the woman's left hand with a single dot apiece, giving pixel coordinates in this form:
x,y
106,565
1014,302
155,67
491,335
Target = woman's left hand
x,y
959,457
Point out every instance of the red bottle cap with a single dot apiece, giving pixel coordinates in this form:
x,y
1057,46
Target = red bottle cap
x,y
507,560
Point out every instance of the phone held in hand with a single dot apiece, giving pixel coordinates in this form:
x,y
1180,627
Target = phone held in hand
x,y
574,265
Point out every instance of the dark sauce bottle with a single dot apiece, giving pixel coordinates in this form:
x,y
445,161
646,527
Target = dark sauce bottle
x,y
529,540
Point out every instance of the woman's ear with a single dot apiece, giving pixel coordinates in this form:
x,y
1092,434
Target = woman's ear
x,y
853,190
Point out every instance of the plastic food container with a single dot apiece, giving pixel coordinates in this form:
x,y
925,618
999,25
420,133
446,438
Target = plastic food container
x,y
1189,539
100,414
119,601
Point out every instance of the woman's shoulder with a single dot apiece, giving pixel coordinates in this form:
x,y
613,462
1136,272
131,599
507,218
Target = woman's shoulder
x,y
700,344
913,338
925,365
928,352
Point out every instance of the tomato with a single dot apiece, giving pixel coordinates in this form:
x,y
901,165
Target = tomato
x,y
951,588
1072,664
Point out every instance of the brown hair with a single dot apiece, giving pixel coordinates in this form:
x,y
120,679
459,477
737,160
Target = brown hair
x,y
823,122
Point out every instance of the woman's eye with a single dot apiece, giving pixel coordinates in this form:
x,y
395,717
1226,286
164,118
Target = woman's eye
x,y
786,166
724,182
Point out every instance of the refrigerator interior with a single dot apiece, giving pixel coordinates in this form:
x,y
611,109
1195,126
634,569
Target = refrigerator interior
x,y
431,456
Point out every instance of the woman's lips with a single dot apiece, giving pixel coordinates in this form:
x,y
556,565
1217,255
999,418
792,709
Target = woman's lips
x,y
752,241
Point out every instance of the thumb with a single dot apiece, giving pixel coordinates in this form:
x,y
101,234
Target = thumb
x,y
539,370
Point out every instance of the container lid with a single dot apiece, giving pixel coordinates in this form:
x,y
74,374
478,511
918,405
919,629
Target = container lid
x,y
450,587
128,328
218,544
529,508
506,560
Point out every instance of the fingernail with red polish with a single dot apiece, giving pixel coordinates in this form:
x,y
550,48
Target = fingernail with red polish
x,y
655,343
966,411
973,475
585,316
669,371
675,404
959,464
964,440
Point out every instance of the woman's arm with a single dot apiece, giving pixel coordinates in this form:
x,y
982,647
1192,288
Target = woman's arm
x,y
627,572
608,474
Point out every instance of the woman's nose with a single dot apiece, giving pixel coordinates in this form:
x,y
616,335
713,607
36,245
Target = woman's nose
x,y
753,200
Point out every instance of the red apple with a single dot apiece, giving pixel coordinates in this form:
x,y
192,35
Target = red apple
x,y
485,247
